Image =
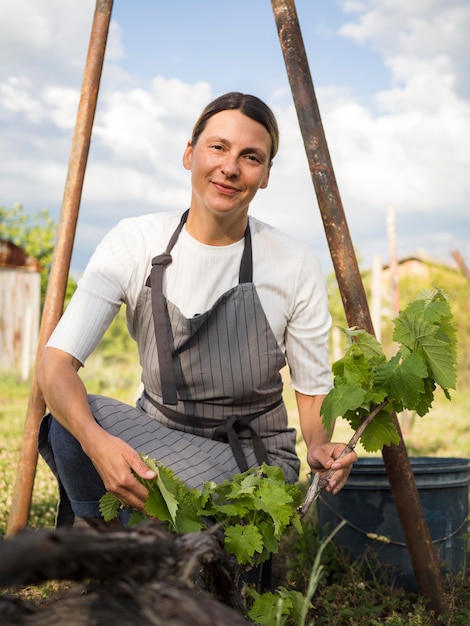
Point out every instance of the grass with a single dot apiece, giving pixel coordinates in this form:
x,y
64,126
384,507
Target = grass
x,y
348,593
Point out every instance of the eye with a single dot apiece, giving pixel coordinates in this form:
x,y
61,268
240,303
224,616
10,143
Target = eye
x,y
253,158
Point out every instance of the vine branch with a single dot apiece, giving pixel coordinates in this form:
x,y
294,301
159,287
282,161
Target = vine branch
x,y
321,480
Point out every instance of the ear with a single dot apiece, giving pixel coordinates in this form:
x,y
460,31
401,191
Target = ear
x,y
187,156
265,181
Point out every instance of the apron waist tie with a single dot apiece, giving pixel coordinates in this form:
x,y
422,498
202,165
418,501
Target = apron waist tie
x,y
226,430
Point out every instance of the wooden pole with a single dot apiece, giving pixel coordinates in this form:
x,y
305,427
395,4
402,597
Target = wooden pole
x,y
461,263
54,302
396,459
393,265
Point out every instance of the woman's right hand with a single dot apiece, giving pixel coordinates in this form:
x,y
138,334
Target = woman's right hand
x,y
117,463
66,397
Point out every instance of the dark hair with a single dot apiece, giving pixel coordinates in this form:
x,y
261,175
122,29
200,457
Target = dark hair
x,y
251,106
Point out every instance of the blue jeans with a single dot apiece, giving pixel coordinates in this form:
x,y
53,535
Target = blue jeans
x,y
81,481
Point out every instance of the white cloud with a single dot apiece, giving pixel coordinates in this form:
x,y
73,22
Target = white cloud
x,y
408,149
412,149
46,38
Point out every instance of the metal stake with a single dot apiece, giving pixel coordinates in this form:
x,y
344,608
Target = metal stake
x,y
54,302
396,459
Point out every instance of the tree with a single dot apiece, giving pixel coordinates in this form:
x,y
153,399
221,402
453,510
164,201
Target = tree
x,y
36,235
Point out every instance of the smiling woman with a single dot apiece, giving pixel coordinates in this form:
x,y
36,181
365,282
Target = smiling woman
x,y
217,301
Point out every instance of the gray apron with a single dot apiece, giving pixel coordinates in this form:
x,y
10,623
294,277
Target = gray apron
x,y
216,375
212,402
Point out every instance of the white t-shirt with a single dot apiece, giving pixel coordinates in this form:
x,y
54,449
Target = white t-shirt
x,y
286,273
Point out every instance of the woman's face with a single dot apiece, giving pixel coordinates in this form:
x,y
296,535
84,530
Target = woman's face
x,y
228,163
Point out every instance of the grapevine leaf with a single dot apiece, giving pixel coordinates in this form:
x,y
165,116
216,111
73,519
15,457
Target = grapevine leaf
x,y
137,517
402,379
374,396
243,542
270,541
439,355
426,325
109,506
294,493
248,484
162,499
266,607
365,343
277,503
426,399
410,330
206,493
380,432
274,472
233,509
187,524
296,603
353,368
339,400
190,514
156,506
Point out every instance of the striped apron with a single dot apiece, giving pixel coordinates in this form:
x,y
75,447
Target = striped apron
x,y
216,375
212,401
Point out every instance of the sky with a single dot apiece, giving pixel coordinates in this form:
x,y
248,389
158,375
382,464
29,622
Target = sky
x,y
391,79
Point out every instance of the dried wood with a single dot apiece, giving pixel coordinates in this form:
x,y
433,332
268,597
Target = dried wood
x,y
145,575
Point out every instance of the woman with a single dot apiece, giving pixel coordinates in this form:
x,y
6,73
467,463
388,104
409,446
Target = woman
x,y
217,301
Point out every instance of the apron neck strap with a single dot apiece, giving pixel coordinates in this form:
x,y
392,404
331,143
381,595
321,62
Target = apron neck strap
x,y
161,319
246,266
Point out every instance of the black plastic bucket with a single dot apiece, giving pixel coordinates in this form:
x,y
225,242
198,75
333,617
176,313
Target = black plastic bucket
x,y
366,503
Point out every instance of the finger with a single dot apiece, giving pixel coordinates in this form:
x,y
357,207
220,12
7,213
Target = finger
x,y
133,494
338,480
142,469
345,461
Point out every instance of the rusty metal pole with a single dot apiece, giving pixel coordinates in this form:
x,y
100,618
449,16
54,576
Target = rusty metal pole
x,y
54,302
396,459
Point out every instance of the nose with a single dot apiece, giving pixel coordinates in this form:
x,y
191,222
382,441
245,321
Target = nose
x,y
230,167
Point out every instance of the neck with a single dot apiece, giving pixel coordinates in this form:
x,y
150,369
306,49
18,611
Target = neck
x,y
216,230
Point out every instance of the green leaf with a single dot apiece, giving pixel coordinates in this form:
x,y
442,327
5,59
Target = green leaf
x,y
426,325
266,608
169,487
270,540
187,524
427,398
156,506
380,432
339,400
402,379
109,506
296,603
439,355
137,517
365,342
277,503
234,509
274,472
243,542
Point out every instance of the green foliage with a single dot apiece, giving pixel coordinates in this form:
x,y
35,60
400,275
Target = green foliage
x,y
280,608
344,596
36,235
364,378
255,508
351,593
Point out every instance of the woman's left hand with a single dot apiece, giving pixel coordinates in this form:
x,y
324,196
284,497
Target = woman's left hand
x,y
324,458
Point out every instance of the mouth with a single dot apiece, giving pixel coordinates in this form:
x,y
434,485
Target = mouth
x,y
225,189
